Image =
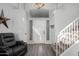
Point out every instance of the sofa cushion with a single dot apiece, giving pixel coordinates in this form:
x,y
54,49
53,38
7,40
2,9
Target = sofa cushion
x,y
18,49
1,43
8,39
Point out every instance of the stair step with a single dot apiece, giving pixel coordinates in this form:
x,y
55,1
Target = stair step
x,y
58,49
63,46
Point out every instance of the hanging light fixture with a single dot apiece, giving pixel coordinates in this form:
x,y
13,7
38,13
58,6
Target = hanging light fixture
x,y
39,5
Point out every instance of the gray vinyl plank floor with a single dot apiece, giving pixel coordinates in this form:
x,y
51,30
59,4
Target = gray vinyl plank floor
x,y
39,50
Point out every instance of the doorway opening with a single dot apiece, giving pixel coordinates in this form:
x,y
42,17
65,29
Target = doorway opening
x,y
39,31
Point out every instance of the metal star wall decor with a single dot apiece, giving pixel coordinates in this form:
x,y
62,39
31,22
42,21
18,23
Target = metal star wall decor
x,y
3,19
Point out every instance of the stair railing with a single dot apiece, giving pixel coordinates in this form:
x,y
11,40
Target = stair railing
x,y
67,37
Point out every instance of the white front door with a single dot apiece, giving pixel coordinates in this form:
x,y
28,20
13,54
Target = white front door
x,y
39,31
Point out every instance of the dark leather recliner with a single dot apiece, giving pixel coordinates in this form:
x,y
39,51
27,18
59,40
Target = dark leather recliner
x,y
10,47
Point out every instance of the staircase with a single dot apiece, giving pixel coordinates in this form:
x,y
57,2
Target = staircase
x,y
67,37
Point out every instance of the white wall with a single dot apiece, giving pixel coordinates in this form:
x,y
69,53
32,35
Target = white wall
x,y
65,15
49,7
17,24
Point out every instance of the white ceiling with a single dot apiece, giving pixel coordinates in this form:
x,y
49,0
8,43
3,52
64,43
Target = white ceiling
x,y
30,5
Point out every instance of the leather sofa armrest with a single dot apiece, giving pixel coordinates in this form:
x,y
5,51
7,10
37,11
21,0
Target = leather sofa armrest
x,y
3,52
20,43
6,51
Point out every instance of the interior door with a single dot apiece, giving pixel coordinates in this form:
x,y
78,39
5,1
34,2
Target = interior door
x,y
39,31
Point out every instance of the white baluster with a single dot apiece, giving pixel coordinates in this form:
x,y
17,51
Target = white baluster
x,y
56,46
77,29
74,32
68,38
63,41
65,38
59,47
69,29
71,34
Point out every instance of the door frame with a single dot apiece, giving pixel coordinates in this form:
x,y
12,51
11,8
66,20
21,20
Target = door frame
x,y
47,30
